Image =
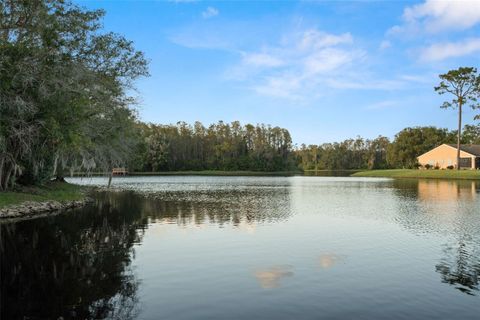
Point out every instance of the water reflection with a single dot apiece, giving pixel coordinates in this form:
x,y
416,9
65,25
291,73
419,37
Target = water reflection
x,y
460,267
328,260
450,208
270,278
330,173
75,266
241,208
445,190
200,200
403,239
433,190
78,265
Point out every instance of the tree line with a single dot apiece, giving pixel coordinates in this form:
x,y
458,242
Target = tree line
x,y
233,146
220,146
349,154
381,153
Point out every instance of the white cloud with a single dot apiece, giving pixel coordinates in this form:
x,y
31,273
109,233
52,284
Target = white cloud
x,y
314,39
435,16
442,51
365,83
328,59
421,79
295,67
210,12
302,66
385,45
285,86
261,60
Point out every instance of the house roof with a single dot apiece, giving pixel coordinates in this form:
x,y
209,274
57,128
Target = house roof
x,y
473,149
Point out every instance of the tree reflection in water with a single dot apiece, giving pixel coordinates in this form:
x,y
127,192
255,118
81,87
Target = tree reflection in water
x,y
75,266
438,206
460,267
78,265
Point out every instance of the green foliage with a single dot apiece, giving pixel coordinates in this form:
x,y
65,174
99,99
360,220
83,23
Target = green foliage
x,y
380,153
63,87
221,146
412,142
464,84
350,154
470,134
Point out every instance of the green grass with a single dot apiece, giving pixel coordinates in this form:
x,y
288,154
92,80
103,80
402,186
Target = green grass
x,y
426,174
59,191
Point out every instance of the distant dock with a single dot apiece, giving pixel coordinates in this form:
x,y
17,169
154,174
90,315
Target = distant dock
x,y
119,172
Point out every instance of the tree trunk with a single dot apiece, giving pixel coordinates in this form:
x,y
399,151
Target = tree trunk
x,y
1,172
59,174
7,178
459,133
110,180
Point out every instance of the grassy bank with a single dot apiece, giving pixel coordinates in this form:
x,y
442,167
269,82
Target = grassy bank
x,y
59,191
426,174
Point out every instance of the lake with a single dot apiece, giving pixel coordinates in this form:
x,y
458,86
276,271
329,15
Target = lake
x,y
194,247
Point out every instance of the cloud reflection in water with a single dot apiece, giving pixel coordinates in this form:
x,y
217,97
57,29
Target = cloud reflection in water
x,y
270,278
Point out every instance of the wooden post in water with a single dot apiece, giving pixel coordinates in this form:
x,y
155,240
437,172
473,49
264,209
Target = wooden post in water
x,y
110,179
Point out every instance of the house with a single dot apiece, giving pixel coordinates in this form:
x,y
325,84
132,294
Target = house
x,y
445,156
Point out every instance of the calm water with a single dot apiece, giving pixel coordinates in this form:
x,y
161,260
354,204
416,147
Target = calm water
x,y
250,248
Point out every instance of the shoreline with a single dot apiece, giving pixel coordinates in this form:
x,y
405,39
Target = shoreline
x,y
33,209
52,198
420,174
238,173
364,173
57,197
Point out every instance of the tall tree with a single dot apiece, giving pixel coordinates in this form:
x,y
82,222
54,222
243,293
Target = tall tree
x,y
471,134
223,146
412,142
464,84
63,90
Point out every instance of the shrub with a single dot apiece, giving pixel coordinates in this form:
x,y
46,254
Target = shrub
x,y
428,166
450,167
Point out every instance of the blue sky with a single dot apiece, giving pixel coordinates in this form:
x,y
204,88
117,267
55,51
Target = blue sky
x,y
325,70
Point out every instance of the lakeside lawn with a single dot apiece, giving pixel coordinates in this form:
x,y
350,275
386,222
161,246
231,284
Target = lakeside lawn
x,y
426,174
58,191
